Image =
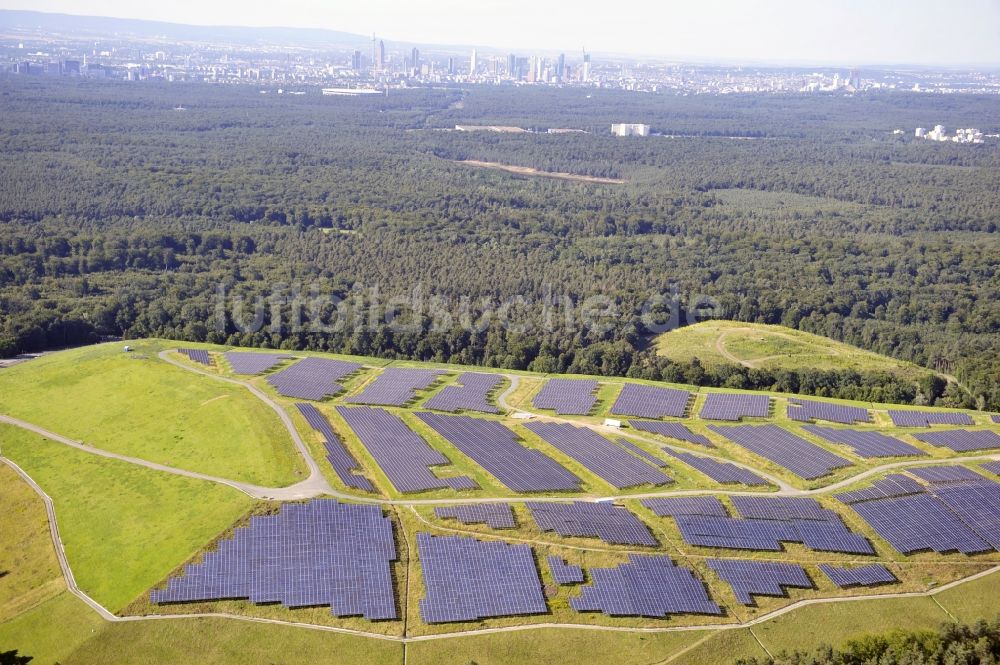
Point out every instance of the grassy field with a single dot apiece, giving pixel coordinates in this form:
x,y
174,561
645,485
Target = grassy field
x,y
138,405
772,347
50,632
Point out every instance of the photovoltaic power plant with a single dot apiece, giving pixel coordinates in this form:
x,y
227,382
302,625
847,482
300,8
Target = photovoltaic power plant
x,y
400,452
253,362
567,396
961,440
343,463
945,474
872,575
493,515
806,410
317,553
632,448
471,394
993,467
687,505
671,430
603,458
467,579
759,578
995,419
804,459
907,418
720,472
646,586
612,524
781,508
312,378
197,356
495,448
888,487
866,444
734,406
564,573
395,386
977,504
651,402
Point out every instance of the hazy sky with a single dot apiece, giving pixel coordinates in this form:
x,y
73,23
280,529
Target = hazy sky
x,y
806,31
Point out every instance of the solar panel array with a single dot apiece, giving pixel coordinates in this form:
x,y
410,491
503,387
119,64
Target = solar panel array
x,y
495,448
962,440
399,451
805,410
993,467
977,504
872,575
651,401
631,447
733,406
567,396
866,444
612,524
671,430
759,578
197,355
888,487
687,505
603,458
337,455
467,579
493,515
564,573
908,418
995,419
312,378
946,474
253,362
646,586
794,453
316,553
395,386
470,394
782,508
720,472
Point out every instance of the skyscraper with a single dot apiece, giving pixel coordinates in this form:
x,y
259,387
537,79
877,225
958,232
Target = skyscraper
x,y
356,61
415,60
381,56
512,67
451,65
561,66
473,64
585,72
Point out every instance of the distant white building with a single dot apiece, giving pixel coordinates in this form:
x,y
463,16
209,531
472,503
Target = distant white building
x,y
612,423
920,132
630,129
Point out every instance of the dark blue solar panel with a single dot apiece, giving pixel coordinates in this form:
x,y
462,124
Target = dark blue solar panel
x,y
736,534
563,573
400,452
866,443
993,467
781,508
612,524
495,447
872,575
977,504
733,406
946,474
961,440
253,362
794,453
340,458
686,505
919,522
197,355
890,486
805,410
995,418
567,396
470,393
312,378
671,430
759,578
598,455
910,418
720,472
652,459
651,401
317,553
493,515
467,579
646,586
395,386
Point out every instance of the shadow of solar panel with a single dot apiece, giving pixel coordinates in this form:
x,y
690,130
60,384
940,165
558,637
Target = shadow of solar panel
x,y
646,586
919,522
993,467
961,440
910,418
312,378
612,524
733,406
317,553
253,362
400,452
197,355
758,578
396,386
493,515
805,410
567,396
670,430
872,575
632,448
785,449
470,394
337,455
564,573
687,505
888,487
946,474
598,455
495,447
651,401
720,472
467,579
866,443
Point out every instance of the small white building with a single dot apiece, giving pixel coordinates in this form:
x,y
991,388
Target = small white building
x,y
920,132
521,415
630,129
613,423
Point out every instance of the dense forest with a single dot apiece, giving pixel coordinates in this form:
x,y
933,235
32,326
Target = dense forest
x,y
155,209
